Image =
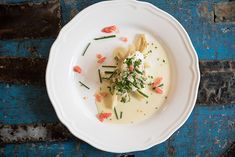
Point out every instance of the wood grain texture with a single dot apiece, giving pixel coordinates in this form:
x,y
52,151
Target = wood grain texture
x,y
30,20
211,40
217,84
33,133
224,12
22,70
31,48
209,131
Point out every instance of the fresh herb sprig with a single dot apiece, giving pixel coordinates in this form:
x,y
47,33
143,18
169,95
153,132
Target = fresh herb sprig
x,y
86,48
115,111
145,95
82,84
109,66
105,37
100,78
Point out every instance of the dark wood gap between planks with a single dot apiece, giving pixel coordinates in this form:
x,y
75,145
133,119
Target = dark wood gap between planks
x,y
224,12
217,12
217,85
30,20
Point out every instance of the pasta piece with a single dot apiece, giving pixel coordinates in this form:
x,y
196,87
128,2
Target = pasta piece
x,y
141,43
120,53
110,101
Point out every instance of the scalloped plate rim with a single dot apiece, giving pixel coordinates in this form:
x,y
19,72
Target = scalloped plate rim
x,y
179,122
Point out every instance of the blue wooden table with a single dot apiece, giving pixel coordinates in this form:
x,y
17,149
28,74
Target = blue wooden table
x,y
28,123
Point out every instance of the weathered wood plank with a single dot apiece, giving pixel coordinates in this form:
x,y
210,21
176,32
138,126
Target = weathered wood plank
x,y
33,133
230,151
33,48
217,84
25,104
30,20
216,45
204,134
224,12
22,70
209,131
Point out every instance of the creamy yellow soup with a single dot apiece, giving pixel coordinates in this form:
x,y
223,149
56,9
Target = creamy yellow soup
x,y
139,109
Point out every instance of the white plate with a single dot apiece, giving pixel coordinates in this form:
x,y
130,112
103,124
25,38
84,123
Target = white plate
x,y
66,95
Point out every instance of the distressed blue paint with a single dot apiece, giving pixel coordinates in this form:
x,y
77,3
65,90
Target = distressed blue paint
x,y
206,132
25,104
211,41
23,48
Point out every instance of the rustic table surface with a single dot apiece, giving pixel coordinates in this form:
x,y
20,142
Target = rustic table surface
x,y
28,123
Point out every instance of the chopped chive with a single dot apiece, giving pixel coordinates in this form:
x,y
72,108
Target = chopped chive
x,y
109,72
112,74
120,115
115,113
105,37
134,85
99,76
82,84
142,93
105,78
138,71
161,85
109,66
86,48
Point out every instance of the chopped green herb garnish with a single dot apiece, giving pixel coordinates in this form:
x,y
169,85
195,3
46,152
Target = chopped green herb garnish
x,y
100,76
105,37
109,66
143,94
109,72
115,111
161,85
86,48
163,61
120,115
82,84
138,71
110,89
114,73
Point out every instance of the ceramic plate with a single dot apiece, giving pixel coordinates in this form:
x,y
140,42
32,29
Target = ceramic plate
x,y
66,94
